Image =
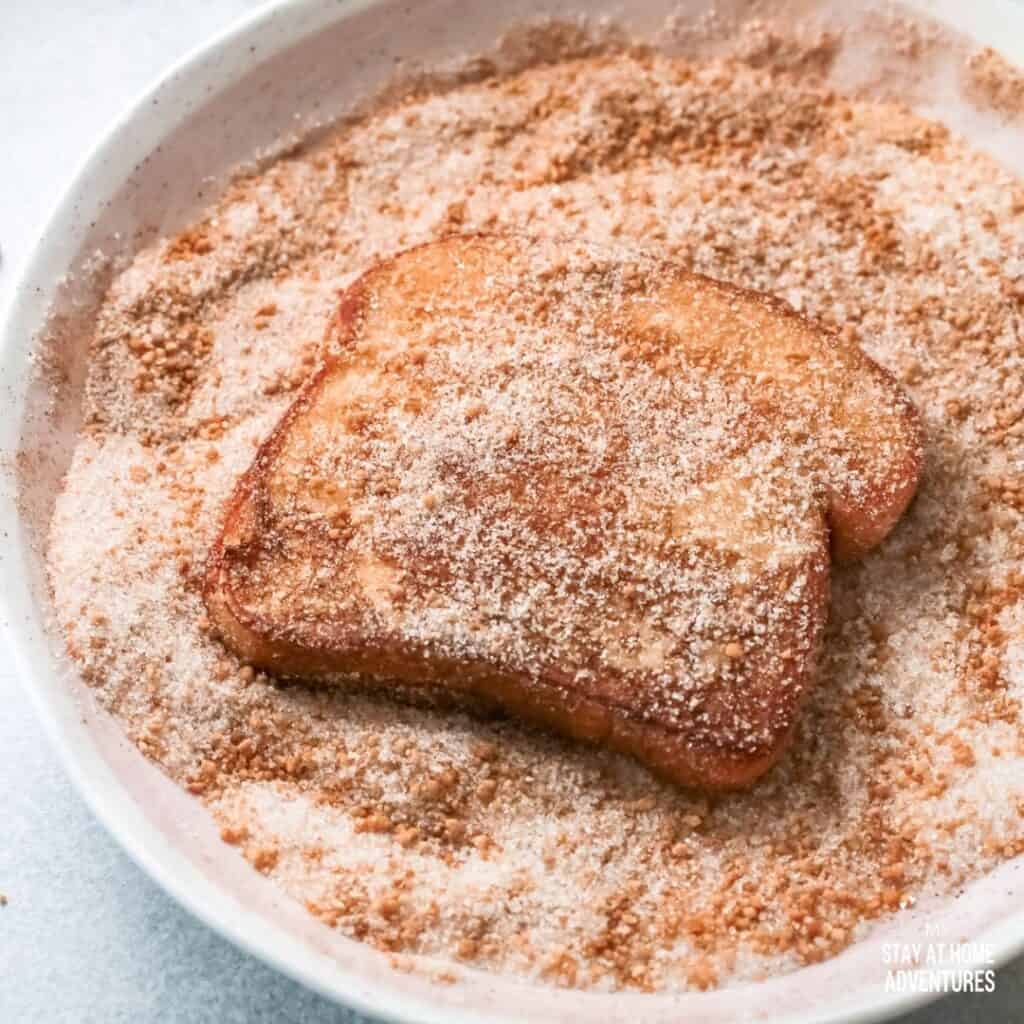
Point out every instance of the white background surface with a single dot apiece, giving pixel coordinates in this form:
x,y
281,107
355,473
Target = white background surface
x,y
86,937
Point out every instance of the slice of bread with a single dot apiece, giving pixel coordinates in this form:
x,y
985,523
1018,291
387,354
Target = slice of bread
x,y
582,486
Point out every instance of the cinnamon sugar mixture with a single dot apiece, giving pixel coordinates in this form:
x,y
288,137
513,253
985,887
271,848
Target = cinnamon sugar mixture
x,y
485,842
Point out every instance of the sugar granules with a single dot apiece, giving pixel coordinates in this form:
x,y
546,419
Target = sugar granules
x,y
487,843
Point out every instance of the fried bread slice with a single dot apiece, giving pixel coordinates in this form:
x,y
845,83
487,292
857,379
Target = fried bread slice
x,y
577,484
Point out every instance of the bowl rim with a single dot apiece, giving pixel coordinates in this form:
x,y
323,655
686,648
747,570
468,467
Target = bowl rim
x,y
33,286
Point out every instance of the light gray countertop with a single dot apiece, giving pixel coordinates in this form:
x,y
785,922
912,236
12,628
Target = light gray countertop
x,y
85,935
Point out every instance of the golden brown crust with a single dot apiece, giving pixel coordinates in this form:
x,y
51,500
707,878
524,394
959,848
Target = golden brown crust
x,y
705,692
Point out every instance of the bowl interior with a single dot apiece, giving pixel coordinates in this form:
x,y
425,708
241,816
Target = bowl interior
x,y
274,78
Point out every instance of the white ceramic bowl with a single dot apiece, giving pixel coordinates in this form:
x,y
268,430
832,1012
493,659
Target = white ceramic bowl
x,y
270,77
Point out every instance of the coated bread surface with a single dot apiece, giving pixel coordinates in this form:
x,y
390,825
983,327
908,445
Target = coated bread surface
x,y
576,484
